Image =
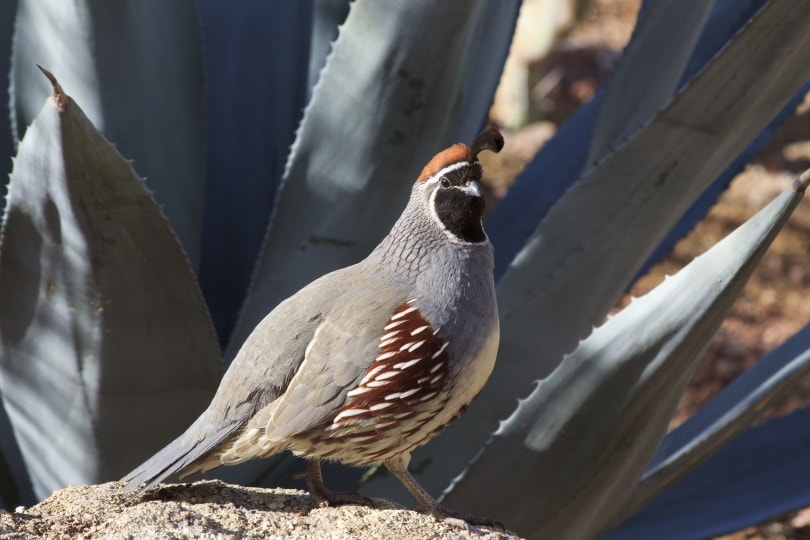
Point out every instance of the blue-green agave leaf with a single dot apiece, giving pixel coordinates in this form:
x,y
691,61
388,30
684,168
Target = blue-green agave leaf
x,y
562,160
8,11
14,484
698,210
762,473
404,80
327,17
644,188
106,347
136,67
255,98
649,71
582,256
584,436
720,420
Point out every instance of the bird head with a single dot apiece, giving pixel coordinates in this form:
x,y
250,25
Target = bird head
x,y
450,185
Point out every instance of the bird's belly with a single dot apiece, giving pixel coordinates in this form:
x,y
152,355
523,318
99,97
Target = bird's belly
x,y
373,440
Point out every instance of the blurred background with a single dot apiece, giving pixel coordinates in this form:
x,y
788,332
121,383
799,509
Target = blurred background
x,y
551,71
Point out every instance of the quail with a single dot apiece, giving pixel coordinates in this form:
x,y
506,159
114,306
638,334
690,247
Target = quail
x,y
368,362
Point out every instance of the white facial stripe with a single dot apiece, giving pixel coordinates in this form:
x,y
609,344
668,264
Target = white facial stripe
x,y
450,168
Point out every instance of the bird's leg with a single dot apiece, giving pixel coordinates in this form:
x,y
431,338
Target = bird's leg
x,y
399,467
321,495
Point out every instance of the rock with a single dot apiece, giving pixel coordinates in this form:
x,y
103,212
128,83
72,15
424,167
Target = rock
x,y
213,509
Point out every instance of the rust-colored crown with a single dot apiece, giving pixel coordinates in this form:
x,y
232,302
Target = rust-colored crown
x,y
489,139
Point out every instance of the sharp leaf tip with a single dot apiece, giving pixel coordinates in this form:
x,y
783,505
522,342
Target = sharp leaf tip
x,y
800,184
58,95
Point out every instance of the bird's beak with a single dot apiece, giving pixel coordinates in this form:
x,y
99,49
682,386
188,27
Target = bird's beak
x,y
472,189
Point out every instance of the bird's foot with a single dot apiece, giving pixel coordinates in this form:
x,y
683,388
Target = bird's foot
x,y
336,498
458,519
323,497
398,465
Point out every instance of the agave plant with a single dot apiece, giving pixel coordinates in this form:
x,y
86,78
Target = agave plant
x,y
107,350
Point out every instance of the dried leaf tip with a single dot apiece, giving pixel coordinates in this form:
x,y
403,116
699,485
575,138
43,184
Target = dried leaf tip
x,y
489,139
800,184
58,95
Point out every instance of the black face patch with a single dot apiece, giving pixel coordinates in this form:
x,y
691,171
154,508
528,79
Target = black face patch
x,y
460,212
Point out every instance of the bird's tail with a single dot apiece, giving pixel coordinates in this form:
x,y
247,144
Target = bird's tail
x,y
183,456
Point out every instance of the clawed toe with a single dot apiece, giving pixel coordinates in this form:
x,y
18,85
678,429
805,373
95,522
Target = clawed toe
x,y
329,498
463,520
323,497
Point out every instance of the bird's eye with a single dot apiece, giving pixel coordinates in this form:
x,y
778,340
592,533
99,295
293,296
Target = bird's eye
x,y
445,183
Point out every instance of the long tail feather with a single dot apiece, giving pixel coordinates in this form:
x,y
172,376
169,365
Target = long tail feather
x,y
182,456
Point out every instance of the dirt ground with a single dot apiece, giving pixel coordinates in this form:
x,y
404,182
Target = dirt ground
x,y
772,307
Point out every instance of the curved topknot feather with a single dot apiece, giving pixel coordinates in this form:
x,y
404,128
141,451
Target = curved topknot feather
x,y
489,139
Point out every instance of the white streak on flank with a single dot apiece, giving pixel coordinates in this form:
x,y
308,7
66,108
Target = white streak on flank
x,y
437,378
377,384
411,301
379,406
422,380
441,350
435,368
420,329
391,397
394,324
402,313
406,365
386,356
408,393
401,415
437,330
387,375
390,334
358,391
428,396
347,414
370,374
416,345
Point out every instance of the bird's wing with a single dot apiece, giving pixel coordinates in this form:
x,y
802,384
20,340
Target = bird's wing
x,y
343,346
260,373
272,354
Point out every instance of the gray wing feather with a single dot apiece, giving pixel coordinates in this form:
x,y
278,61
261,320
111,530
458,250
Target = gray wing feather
x,y
259,374
343,347
291,374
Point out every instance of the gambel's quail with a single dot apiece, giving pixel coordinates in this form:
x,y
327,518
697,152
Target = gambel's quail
x,y
369,362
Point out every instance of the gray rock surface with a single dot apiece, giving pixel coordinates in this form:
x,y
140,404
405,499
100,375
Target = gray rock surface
x,y
213,509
